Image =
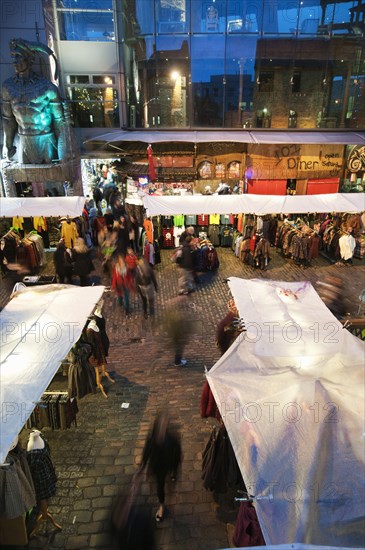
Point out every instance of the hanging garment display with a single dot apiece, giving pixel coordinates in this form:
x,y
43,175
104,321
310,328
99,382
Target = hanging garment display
x,y
43,472
220,467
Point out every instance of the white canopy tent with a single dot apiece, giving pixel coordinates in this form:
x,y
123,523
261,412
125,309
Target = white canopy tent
x,y
291,393
342,137
38,328
253,204
41,206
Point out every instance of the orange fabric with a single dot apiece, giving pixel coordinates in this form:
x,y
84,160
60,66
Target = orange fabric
x,y
148,226
240,222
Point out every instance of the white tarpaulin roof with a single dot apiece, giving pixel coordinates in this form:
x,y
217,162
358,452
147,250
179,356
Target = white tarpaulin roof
x,y
253,204
38,328
291,393
41,206
341,137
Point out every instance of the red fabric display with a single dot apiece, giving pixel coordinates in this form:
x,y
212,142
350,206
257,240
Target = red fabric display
x,y
247,531
208,406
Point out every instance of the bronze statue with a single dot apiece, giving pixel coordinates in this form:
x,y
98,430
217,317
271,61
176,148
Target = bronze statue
x,y
32,107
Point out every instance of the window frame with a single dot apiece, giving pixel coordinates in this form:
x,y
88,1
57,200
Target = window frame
x,y
92,86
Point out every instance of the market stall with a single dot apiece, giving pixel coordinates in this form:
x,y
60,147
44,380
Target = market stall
x,y
253,204
41,206
38,328
290,392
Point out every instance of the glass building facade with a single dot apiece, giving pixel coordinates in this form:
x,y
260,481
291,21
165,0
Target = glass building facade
x,y
223,63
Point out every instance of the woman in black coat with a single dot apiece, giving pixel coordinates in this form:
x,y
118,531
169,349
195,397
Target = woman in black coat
x,y
162,452
82,263
62,263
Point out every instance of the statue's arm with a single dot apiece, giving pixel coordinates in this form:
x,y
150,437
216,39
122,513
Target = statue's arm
x,y
9,123
56,109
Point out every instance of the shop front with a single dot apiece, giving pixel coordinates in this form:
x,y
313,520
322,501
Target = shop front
x,y
264,163
294,169
40,180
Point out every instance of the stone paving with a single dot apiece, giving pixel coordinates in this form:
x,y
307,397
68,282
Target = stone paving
x,y
96,460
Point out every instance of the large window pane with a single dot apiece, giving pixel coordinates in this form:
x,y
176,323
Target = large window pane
x,y
207,78
342,17
279,17
288,17
96,26
143,22
171,108
289,83
94,107
243,16
86,4
172,17
240,79
141,79
209,16
309,17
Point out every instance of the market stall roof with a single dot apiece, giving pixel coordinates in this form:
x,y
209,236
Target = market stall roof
x,y
291,393
267,136
38,327
41,206
253,204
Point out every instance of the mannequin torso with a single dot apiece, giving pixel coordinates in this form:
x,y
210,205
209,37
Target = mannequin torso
x,y
35,441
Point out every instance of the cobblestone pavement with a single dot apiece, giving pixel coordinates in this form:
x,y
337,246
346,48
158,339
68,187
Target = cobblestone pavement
x,y
95,461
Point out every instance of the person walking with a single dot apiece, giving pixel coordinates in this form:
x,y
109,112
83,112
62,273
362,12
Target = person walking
x,y
189,232
162,453
62,263
122,235
82,263
177,327
134,234
186,265
146,285
122,282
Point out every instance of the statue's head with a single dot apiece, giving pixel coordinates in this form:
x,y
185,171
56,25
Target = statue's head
x,y
22,55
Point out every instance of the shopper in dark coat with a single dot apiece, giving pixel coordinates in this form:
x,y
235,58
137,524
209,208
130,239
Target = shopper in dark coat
x,y
82,263
162,453
147,285
109,220
122,236
134,234
62,263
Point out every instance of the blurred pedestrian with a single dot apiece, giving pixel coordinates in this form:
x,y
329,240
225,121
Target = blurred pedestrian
x,y
107,242
134,234
122,235
63,263
98,197
122,282
189,232
162,453
187,267
116,206
178,327
146,285
109,220
132,261
82,263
